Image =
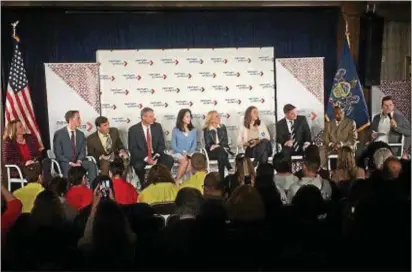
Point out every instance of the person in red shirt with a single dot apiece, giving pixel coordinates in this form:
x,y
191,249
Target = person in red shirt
x,y
79,195
10,210
124,192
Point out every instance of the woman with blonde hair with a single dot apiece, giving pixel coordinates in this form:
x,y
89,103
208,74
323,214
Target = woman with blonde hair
x,y
244,174
216,142
254,137
346,167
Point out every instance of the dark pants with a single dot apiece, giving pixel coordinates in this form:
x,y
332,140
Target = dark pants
x,y
220,154
289,151
140,165
90,167
261,152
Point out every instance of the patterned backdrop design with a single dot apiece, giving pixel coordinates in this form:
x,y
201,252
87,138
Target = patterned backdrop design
x,y
72,86
227,80
300,82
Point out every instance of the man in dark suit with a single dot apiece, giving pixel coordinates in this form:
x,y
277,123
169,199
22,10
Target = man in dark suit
x,y
147,144
69,146
293,132
105,144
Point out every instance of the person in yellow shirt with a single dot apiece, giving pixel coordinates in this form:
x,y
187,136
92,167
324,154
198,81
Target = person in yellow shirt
x,y
199,166
27,195
160,186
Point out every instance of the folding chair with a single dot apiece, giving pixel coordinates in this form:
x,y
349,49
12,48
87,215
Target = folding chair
x,y
335,156
214,162
11,179
399,145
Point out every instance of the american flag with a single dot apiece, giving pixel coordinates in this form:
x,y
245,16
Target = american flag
x,y
18,98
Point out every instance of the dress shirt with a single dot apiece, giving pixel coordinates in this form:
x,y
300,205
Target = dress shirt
x,y
103,139
217,136
145,128
384,128
69,130
290,124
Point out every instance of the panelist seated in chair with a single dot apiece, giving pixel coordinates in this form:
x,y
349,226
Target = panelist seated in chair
x,y
216,142
254,137
390,125
147,144
21,149
184,142
338,133
293,132
105,144
69,146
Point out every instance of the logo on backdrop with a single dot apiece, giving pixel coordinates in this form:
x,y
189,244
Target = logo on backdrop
x,y
207,74
231,128
266,113
131,105
266,59
194,60
231,74
224,115
144,62
244,87
108,106
256,100
157,76
220,88
107,77
145,90
118,62
233,101
240,113
169,117
120,91
183,75
166,132
219,60
132,76
86,126
120,120
196,89
243,59
170,61
255,73
170,90
159,104
198,116
208,102
267,86
184,103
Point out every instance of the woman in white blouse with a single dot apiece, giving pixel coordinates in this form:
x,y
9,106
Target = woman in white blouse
x,y
254,137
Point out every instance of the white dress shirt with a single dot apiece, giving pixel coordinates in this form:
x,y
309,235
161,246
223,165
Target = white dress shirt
x,y
384,127
290,123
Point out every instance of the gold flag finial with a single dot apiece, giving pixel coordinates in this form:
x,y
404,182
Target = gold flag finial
x,y
14,25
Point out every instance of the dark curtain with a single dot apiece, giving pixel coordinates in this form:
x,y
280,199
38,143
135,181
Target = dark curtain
x,y
58,35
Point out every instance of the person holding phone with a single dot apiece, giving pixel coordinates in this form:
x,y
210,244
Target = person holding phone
x,y
244,175
254,137
216,142
184,141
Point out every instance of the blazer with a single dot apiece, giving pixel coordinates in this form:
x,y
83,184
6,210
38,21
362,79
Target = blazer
x,y
345,133
62,146
395,134
302,131
95,147
137,141
11,151
182,143
242,134
210,136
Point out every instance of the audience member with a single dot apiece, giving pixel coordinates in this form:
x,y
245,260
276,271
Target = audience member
x,y
380,156
79,195
284,177
188,203
60,186
244,174
11,209
160,186
33,174
265,175
346,167
311,153
392,168
308,201
199,166
213,187
124,192
245,205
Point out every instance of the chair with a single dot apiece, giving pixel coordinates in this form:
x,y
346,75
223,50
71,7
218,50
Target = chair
x,y
160,221
10,179
164,208
214,162
399,145
335,156
55,164
172,219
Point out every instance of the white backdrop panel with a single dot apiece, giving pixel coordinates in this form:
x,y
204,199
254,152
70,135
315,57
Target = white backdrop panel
x,y
226,79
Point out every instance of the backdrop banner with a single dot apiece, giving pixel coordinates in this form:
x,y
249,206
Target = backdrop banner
x,y
72,86
227,80
299,81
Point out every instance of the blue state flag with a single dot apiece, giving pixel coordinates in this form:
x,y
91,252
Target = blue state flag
x,y
347,92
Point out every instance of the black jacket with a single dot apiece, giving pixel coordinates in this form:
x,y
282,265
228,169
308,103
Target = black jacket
x,y
210,137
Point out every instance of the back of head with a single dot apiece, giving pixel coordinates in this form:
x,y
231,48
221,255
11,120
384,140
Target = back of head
x,y
282,163
311,153
212,183
116,167
198,162
308,200
59,185
368,154
244,168
159,173
392,168
47,211
380,156
245,204
188,202
310,166
99,180
265,169
76,175
32,172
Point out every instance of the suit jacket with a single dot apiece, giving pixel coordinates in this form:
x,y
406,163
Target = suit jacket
x,y
210,137
62,146
138,145
11,151
395,134
95,147
345,133
302,131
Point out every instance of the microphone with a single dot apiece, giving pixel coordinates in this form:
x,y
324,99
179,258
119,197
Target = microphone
x,y
390,116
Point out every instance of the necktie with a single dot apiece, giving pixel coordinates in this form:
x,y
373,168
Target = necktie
x,y
73,141
293,136
149,144
108,144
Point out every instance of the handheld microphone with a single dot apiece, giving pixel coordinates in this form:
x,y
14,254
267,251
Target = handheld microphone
x,y
390,116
